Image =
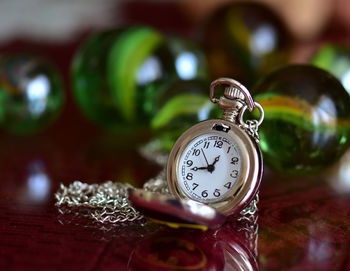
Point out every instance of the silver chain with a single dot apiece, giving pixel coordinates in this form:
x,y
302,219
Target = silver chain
x,y
108,202
249,223
251,127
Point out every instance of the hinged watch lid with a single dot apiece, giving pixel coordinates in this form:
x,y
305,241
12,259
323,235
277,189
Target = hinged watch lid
x,y
174,212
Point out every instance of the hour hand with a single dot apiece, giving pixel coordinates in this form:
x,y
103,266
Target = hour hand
x,y
216,160
198,168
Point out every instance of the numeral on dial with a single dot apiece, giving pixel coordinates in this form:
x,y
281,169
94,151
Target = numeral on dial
x,y
228,185
234,173
189,163
218,144
189,176
205,193
217,193
234,160
195,185
196,152
206,145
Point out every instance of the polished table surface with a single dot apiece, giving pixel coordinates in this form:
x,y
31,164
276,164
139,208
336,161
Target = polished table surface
x,y
303,224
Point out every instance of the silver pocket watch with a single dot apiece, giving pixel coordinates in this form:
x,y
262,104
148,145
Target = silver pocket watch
x,y
218,162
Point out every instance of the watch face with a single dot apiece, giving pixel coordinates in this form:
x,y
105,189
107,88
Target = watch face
x,y
209,167
217,163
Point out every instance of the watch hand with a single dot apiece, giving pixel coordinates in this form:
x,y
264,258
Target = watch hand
x,y
197,168
216,160
205,157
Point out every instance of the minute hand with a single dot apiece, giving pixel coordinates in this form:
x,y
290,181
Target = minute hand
x,y
206,160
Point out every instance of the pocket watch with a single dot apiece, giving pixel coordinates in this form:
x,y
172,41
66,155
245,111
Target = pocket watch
x,y
218,162
214,170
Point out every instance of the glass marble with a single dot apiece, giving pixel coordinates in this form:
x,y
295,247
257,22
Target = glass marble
x,y
336,60
112,69
180,105
245,41
31,93
307,119
190,60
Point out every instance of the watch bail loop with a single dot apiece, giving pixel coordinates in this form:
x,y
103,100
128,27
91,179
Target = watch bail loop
x,y
244,108
234,91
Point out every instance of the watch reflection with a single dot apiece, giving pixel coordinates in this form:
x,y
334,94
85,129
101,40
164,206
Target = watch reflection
x,y
231,247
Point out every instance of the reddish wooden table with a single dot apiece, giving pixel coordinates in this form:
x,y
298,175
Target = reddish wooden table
x,y
303,225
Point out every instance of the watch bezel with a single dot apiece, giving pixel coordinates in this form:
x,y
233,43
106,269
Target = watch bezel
x,y
249,182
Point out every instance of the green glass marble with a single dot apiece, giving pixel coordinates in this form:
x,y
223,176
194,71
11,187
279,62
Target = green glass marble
x,y
307,119
245,41
112,70
180,105
336,60
189,59
31,93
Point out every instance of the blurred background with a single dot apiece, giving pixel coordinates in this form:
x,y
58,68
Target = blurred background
x,y
63,22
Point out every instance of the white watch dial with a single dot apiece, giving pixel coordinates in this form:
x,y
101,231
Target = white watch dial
x,y
209,167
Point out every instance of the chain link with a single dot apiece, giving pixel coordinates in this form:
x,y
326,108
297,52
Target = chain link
x,y
251,127
249,223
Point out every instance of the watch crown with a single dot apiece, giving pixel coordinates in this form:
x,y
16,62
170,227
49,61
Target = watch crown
x,y
233,93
